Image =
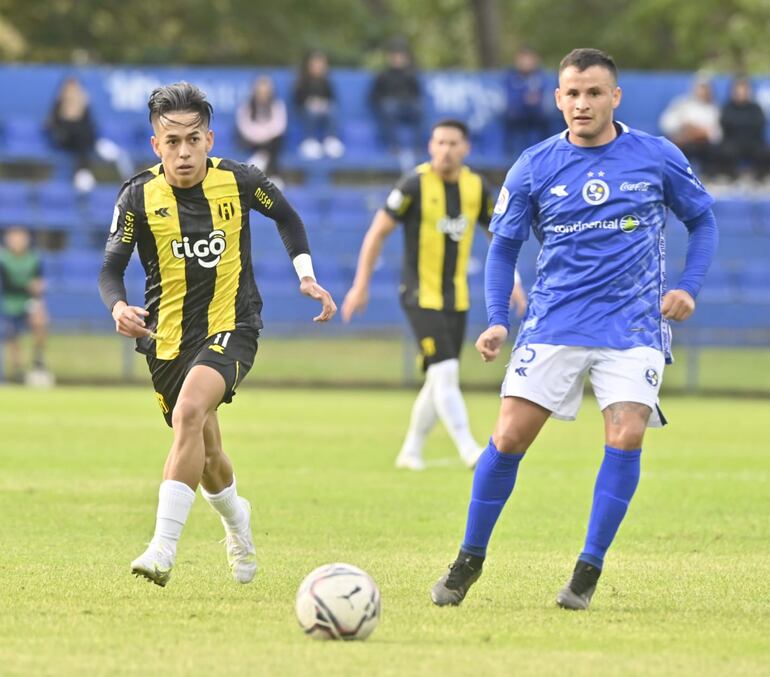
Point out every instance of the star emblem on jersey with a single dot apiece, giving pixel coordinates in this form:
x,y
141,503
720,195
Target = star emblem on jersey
x,y
651,376
559,191
595,191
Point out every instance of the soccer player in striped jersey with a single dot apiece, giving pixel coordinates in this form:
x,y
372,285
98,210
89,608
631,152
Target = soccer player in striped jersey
x,y
199,324
596,197
439,204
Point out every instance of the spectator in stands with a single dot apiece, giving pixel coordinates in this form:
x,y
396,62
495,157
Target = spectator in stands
x,y
744,144
691,121
316,103
261,125
21,304
527,118
396,99
71,128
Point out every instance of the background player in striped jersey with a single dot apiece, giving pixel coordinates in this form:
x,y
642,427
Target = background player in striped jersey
x,y
596,197
439,203
189,218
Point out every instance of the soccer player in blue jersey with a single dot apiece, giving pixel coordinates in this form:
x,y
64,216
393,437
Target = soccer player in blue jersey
x,y
596,197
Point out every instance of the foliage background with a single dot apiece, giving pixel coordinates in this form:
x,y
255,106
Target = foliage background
x,y
641,34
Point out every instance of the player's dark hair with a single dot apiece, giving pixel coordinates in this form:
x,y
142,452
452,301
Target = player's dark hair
x,y
180,97
454,123
583,58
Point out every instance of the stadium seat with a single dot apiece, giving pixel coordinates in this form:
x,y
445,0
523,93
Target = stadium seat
x,y
25,139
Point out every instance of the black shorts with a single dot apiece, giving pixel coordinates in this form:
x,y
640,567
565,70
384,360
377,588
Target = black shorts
x,y
440,333
231,353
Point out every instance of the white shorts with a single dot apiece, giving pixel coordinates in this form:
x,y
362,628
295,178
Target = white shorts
x,y
553,376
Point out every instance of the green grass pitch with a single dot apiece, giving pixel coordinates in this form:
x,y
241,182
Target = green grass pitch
x,y
685,588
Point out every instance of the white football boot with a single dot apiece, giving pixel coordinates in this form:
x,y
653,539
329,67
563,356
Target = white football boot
x,y
409,461
154,564
472,458
241,553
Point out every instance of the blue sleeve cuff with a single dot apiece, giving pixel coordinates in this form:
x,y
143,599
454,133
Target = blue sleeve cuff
x,y
499,275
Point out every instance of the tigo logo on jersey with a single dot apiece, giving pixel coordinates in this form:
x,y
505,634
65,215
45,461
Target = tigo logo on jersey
x,y
596,191
454,227
201,249
629,223
502,201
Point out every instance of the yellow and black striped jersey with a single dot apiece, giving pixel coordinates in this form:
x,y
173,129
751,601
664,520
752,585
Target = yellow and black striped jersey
x,y
439,219
195,246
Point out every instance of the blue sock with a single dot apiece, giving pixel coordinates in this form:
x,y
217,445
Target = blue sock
x,y
615,486
492,485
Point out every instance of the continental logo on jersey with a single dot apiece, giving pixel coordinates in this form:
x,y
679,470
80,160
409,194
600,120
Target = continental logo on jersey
x,y
264,199
226,209
454,227
162,402
628,224
208,253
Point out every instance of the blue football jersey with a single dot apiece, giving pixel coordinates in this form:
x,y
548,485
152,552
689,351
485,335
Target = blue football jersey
x,y
599,214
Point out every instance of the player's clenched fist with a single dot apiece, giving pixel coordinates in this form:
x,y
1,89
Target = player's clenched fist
x,y
677,305
129,320
490,341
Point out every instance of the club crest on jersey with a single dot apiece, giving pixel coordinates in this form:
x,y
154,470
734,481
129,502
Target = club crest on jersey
x,y
201,250
454,227
651,376
596,191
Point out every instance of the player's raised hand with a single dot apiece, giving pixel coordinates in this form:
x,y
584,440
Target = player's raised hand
x,y
129,320
490,341
677,305
309,287
355,302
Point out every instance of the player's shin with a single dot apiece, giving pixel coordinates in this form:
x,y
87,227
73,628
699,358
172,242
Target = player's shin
x,y
493,482
230,508
450,405
422,420
175,500
615,485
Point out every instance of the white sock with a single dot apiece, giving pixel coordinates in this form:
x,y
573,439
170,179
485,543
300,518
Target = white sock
x,y
424,417
230,509
449,403
174,502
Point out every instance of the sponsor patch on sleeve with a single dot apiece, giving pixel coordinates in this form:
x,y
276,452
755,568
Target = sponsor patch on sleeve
x,y
115,217
502,201
395,200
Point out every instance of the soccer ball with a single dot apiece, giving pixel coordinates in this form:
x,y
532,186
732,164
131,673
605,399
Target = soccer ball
x,y
338,601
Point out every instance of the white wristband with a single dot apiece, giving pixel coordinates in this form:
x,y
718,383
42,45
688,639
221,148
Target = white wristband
x,y
303,264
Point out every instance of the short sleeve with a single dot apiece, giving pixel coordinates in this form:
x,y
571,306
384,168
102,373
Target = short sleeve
x,y
683,192
513,212
122,236
403,196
